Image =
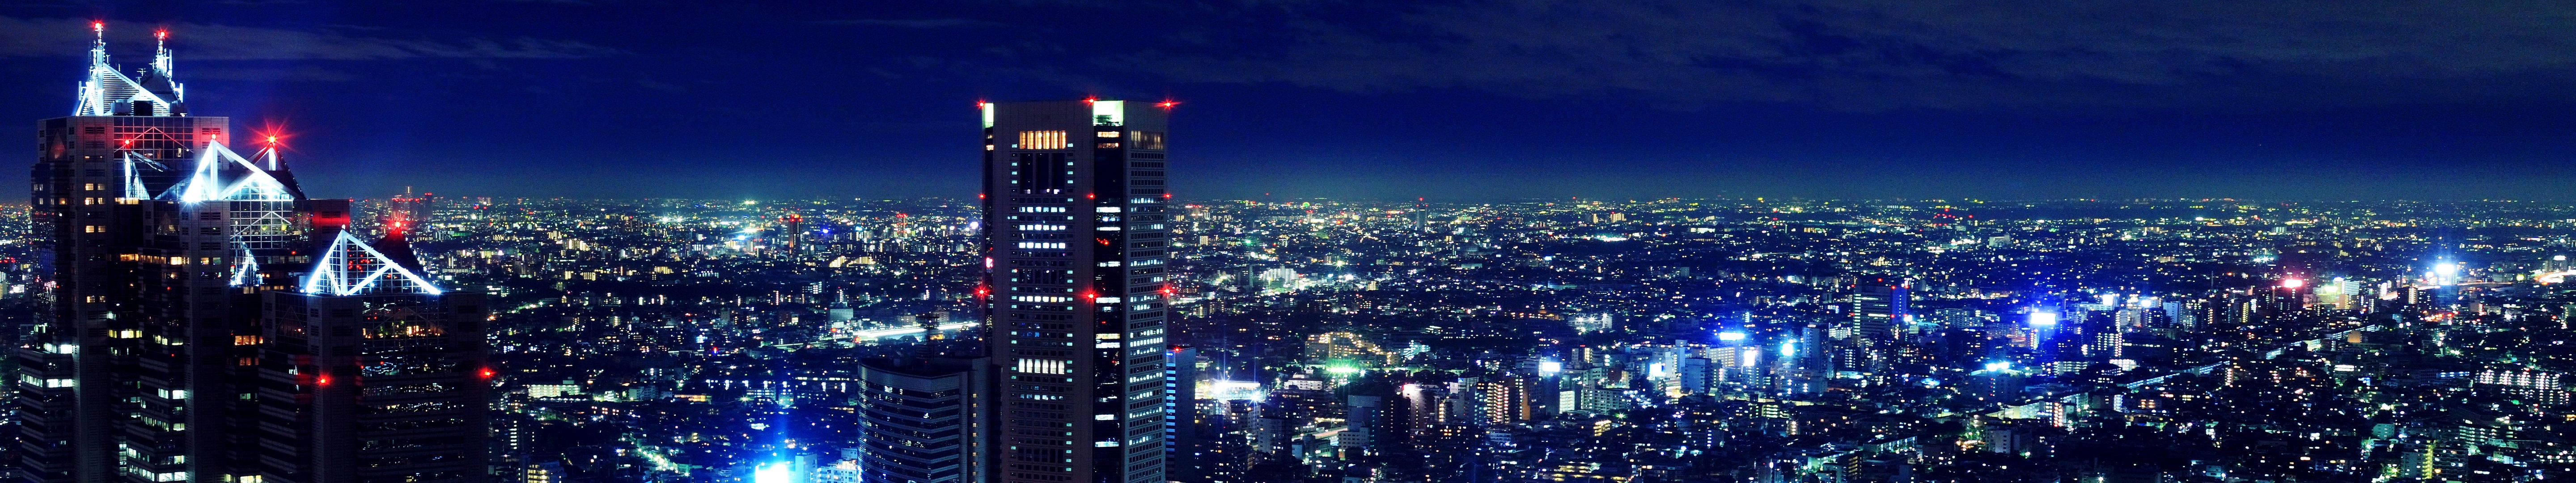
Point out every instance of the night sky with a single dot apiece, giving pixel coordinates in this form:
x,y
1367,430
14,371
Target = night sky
x,y
1456,101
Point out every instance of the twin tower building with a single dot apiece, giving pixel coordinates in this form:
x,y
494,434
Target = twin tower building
x,y
205,321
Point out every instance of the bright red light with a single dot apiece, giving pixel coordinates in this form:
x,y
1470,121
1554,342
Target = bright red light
x,y
1090,196
1167,104
1088,100
96,26
163,34
322,381
487,373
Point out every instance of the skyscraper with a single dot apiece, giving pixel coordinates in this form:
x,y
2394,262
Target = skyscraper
x,y
125,143
1074,244
161,246
371,373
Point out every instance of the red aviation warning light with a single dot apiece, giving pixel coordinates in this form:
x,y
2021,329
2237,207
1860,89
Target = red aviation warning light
x,y
486,373
163,34
1167,105
99,27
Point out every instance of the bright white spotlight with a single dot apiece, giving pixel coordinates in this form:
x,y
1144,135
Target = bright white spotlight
x,y
2042,318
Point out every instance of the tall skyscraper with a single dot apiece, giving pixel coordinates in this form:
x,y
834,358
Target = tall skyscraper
x,y
127,140
1074,244
161,245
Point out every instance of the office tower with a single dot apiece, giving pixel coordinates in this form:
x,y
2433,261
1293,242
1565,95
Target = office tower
x,y
127,140
1074,250
1878,308
923,421
162,247
371,373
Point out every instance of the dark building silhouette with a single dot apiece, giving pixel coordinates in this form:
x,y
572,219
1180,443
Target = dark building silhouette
x,y
920,422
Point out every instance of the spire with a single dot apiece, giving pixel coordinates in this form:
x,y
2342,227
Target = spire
x,y
161,53
98,46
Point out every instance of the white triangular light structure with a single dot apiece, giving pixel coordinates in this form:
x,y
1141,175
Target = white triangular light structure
x,y
134,164
351,267
206,182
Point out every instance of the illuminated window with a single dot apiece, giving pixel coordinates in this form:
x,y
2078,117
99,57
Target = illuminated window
x,y
1149,140
1043,140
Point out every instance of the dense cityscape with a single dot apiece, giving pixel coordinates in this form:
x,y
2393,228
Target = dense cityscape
x,y
1660,340
181,310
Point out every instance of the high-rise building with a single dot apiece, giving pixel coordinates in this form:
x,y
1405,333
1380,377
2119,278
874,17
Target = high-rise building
x,y
1182,421
923,421
162,250
1074,244
372,373
127,140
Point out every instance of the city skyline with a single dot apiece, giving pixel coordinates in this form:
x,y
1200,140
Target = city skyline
x,y
1951,107
187,298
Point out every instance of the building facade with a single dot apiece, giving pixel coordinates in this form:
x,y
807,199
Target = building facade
x,y
370,373
1075,244
920,421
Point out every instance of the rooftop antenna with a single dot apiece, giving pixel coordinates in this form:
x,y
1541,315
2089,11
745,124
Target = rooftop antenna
x,y
161,52
98,46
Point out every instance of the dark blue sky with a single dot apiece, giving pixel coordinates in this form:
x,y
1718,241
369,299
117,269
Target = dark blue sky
x,y
1450,100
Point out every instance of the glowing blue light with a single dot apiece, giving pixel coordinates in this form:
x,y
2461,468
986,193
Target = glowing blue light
x,y
2043,318
774,472
1550,368
1998,365
1730,336
1788,349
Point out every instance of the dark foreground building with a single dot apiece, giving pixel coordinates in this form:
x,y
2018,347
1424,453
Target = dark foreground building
x,y
165,253
921,422
1074,240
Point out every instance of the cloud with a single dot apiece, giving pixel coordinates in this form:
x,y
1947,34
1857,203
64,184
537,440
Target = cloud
x,y
1886,54
66,37
916,23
